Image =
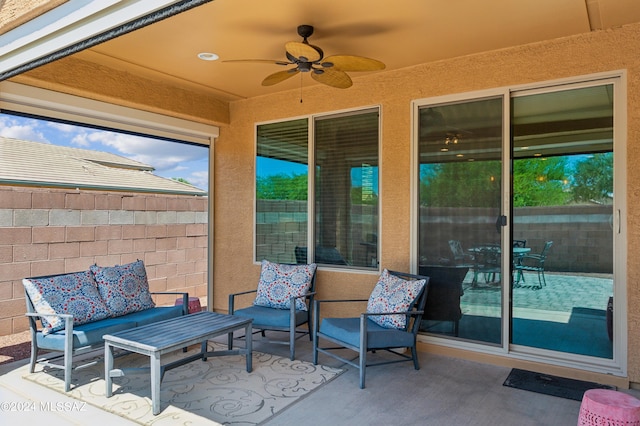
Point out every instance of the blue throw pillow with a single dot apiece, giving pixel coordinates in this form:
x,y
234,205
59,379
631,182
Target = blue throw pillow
x,y
393,294
280,282
124,288
75,294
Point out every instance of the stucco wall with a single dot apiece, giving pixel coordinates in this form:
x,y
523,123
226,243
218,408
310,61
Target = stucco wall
x,y
53,231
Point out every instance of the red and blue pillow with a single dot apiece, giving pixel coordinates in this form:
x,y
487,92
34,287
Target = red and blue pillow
x,y
124,288
280,282
393,294
75,294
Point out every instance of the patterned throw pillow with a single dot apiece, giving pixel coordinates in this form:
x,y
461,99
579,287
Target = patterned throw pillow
x,y
74,294
280,282
393,294
124,288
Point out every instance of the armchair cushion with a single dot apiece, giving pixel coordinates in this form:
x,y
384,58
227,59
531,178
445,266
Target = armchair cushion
x,y
75,294
124,287
280,282
393,294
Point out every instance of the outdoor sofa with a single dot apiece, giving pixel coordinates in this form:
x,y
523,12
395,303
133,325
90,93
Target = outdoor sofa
x,y
69,313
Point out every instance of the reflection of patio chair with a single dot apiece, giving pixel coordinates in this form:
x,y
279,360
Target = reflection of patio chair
x,y
460,257
534,263
445,291
392,320
487,262
283,299
520,243
324,255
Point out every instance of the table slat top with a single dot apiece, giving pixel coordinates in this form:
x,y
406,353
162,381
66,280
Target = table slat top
x,y
168,333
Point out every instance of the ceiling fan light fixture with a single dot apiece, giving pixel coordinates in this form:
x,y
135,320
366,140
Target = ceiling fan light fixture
x,y
208,56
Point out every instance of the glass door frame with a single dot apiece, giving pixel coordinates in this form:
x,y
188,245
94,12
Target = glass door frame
x,y
616,366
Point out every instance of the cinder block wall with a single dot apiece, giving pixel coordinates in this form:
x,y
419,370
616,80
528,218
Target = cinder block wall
x,y
52,231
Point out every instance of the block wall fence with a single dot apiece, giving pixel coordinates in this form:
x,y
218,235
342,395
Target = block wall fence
x,y
582,235
53,231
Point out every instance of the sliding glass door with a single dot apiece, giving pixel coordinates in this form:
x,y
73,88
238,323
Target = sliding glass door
x,y
517,222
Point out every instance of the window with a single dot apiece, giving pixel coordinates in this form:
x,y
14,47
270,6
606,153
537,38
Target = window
x,y
344,214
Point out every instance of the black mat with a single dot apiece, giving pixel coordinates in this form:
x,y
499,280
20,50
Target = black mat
x,y
550,385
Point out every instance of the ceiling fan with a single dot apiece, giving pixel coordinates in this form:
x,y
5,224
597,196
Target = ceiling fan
x,y
309,58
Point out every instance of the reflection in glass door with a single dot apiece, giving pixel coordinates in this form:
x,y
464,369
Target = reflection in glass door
x,y
562,219
459,247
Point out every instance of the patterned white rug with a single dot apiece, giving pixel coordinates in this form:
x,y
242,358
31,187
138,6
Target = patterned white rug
x,y
217,391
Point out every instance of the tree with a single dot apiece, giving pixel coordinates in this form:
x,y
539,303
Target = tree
x,y
460,184
282,187
182,180
536,182
540,182
593,179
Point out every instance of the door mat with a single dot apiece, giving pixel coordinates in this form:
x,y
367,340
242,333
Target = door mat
x,y
550,385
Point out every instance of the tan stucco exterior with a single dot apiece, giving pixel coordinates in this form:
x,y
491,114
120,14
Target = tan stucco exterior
x,y
393,91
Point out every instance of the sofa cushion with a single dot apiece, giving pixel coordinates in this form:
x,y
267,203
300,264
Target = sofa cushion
x,y
89,334
393,294
124,288
74,294
149,316
280,282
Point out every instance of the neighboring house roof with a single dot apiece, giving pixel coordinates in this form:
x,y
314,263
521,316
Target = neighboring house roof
x,y
42,164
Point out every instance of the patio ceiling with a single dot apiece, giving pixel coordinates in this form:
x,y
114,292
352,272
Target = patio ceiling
x,y
400,34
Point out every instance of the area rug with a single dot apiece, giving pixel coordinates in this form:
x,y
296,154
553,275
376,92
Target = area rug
x,y
550,385
218,391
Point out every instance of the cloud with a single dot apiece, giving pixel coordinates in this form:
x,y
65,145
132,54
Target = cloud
x,y
199,179
62,127
162,155
24,130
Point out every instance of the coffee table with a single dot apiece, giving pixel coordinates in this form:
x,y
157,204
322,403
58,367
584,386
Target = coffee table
x,y
157,339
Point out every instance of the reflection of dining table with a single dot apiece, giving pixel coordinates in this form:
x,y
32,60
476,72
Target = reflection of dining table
x,y
487,259
517,251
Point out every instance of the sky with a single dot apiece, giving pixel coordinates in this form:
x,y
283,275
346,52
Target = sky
x,y
170,159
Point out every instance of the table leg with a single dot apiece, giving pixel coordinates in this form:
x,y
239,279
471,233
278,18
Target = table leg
x,y
156,377
248,330
108,366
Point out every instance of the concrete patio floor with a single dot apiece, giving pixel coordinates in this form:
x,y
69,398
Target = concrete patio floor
x,y
444,391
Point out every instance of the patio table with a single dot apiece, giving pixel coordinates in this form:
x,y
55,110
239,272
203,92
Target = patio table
x,y
155,340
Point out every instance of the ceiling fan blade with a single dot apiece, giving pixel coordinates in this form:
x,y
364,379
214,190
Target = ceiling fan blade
x,y
302,50
279,77
354,63
333,78
262,61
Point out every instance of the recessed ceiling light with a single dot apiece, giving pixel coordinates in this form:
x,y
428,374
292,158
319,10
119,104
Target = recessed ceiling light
x,y
206,56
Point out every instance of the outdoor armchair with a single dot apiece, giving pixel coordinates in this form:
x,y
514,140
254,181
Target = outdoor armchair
x,y
394,312
283,301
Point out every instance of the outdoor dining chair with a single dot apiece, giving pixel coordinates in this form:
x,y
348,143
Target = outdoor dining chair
x,y
391,321
533,262
283,302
